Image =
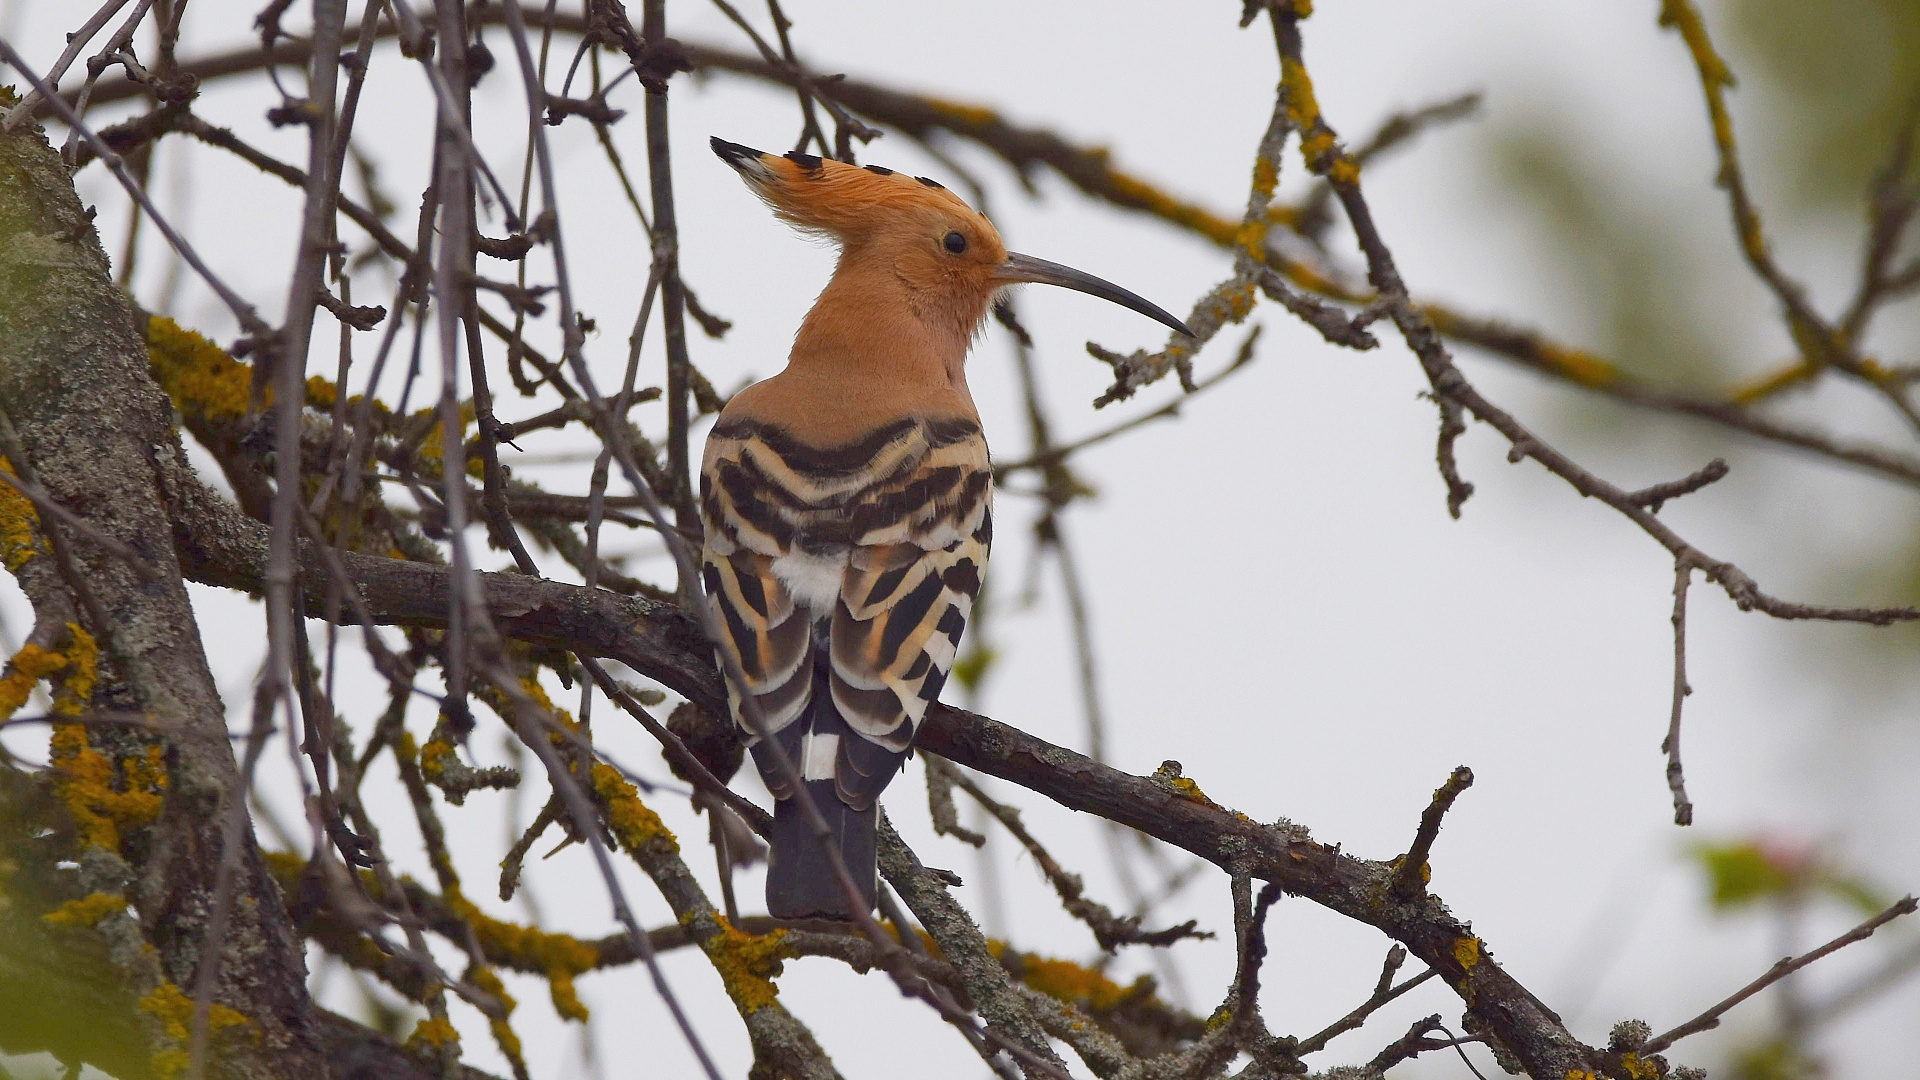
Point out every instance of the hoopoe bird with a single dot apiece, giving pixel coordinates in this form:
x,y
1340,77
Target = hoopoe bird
x,y
847,502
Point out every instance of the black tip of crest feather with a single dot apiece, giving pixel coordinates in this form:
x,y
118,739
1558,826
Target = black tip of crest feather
x,y
733,153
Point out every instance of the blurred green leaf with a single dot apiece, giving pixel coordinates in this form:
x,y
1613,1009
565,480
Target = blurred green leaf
x,y
973,665
1743,872
1773,1060
1747,871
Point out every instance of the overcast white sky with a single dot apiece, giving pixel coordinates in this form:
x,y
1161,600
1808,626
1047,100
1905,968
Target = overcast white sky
x,y
1282,603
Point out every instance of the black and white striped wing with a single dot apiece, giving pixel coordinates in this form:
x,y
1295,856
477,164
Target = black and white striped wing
x,y
877,546
768,636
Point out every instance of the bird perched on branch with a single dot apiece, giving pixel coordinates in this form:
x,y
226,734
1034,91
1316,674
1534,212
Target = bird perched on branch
x,y
847,503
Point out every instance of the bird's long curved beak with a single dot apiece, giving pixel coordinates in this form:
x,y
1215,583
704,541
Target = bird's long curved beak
x,y
1027,268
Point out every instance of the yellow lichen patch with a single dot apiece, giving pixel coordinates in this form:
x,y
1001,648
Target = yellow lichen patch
x,y
1252,239
1288,216
1131,191
102,795
28,666
566,998
1637,1068
1768,385
1064,980
433,447
81,672
1187,789
203,380
1580,1074
1316,147
1302,107
434,757
1266,176
560,956
1466,952
531,687
1313,281
1579,366
1229,306
286,868
1221,1018
973,115
435,1033
503,1034
175,1011
1575,365
635,824
198,375
86,911
321,393
747,963
168,1064
17,523
1426,869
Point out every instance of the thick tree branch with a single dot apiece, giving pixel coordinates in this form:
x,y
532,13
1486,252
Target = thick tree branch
x,y
99,437
223,547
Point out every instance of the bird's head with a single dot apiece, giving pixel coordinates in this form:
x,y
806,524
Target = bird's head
x,y
947,256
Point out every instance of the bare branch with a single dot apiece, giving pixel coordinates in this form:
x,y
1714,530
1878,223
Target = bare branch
x,y
1710,1019
1653,498
1676,778
1383,993
1110,930
1410,874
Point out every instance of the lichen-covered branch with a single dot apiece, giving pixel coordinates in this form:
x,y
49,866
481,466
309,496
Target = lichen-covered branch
x,y
98,436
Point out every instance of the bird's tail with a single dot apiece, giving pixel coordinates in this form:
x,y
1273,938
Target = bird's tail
x,y
801,883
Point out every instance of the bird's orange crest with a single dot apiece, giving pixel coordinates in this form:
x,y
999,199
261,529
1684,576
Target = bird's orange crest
x,y
910,250
852,203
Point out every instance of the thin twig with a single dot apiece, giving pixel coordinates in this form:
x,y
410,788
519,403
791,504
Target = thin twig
x,y
1653,498
1110,930
243,312
673,303
77,42
1410,875
1042,459
1384,992
1670,746
1092,171
277,683
1710,1019
1315,213
1451,428
1446,381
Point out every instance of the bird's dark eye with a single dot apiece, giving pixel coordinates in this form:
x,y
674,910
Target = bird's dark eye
x,y
955,243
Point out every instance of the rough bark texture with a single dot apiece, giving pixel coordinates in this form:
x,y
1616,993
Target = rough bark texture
x,y
962,945
97,433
